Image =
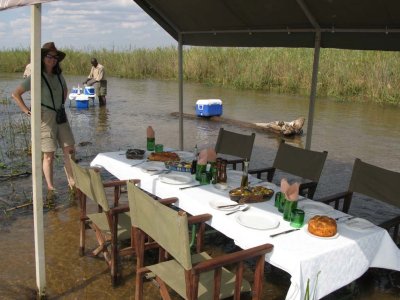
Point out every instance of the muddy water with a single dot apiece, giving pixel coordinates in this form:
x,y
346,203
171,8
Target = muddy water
x,y
346,131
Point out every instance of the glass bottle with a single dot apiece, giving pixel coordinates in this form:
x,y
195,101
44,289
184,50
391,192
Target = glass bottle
x,y
245,176
222,175
194,161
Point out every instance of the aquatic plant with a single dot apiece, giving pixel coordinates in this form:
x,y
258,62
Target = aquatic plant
x,y
345,75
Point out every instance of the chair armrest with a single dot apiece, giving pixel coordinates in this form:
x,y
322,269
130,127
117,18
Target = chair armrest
x,y
199,219
270,172
233,162
308,189
114,183
119,209
346,196
168,201
231,258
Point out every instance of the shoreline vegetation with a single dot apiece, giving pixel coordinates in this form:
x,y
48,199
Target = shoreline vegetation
x,y
344,75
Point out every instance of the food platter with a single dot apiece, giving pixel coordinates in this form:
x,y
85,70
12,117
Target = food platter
x,y
251,194
314,208
257,221
175,178
305,228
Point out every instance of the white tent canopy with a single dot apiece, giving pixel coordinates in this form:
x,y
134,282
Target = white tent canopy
x,y
36,29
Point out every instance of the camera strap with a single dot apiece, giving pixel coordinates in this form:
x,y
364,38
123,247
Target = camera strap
x,y
51,92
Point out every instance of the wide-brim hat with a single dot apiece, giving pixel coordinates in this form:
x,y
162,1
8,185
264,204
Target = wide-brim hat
x,y
50,47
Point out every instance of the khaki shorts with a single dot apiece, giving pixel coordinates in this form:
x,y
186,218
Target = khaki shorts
x,y
53,134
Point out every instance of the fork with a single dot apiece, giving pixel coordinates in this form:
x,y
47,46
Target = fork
x,y
240,209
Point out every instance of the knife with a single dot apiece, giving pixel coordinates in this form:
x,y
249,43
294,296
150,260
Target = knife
x,y
284,232
188,187
230,205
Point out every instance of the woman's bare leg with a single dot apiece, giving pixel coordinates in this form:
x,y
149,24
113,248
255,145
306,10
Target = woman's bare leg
x,y
48,160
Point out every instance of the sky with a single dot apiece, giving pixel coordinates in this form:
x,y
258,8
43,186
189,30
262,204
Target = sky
x,y
85,25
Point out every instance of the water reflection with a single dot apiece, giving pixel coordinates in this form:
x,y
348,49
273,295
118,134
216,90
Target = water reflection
x,y
345,130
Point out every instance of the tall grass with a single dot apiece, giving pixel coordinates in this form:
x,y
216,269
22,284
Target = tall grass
x,y
345,75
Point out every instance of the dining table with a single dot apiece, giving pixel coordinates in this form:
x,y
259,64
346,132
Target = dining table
x,y
319,265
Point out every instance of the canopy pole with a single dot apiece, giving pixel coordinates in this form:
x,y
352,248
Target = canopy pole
x,y
180,75
313,94
36,29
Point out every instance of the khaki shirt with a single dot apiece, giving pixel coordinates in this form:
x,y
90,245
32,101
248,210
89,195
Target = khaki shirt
x,y
97,73
58,91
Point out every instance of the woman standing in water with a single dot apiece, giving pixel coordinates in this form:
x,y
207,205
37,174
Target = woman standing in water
x,y
55,129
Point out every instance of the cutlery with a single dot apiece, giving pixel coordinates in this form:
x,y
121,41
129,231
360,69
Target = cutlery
x,y
230,205
161,172
240,209
284,232
348,218
189,187
138,163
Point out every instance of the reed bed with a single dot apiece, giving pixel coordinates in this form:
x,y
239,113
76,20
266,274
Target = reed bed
x,y
344,75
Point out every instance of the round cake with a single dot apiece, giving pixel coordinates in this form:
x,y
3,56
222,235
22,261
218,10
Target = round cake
x,y
322,226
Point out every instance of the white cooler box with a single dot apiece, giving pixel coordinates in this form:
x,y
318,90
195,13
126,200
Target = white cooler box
x,y
208,107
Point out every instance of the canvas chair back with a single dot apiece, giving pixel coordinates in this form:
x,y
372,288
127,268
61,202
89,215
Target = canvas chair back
x,y
304,163
88,181
236,144
166,226
375,182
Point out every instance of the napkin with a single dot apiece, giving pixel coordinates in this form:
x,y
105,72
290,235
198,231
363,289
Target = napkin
x,y
202,160
211,155
291,191
150,132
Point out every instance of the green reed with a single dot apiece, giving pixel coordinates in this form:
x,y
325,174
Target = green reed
x,y
344,75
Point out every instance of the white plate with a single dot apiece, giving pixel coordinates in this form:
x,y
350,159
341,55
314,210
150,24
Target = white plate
x,y
359,224
257,221
185,155
215,203
221,187
152,167
175,178
305,228
314,208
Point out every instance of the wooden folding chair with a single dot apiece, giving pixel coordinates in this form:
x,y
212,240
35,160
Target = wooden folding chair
x,y
197,276
303,163
111,225
374,182
235,144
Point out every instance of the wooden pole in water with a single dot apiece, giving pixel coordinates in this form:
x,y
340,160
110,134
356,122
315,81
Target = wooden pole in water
x,y
36,29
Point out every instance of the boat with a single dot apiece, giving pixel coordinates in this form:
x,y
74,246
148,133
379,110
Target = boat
x,y
81,97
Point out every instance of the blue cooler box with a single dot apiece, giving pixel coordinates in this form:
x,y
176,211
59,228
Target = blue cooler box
x,y
208,107
82,103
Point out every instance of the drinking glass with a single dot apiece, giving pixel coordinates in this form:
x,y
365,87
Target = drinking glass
x,y
297,218
200,169
288,208
150,144
159,148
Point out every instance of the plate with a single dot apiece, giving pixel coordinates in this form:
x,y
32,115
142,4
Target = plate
x,y
220,187
175,178
185,155
152,168
359,224
214,204
305,228
257,221
314,208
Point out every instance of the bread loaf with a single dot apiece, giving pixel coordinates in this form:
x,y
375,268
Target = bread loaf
x,y
164,156
322,226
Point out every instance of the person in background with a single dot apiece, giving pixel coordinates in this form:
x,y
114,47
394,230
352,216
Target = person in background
x,y
97,78
27,71
54,130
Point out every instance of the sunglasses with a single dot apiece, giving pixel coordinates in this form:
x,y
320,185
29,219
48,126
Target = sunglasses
x,y
56,57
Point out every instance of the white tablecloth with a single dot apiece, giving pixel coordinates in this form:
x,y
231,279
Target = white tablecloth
x,y
338,261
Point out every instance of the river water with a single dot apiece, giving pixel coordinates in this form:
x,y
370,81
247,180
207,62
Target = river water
x,y
346,130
